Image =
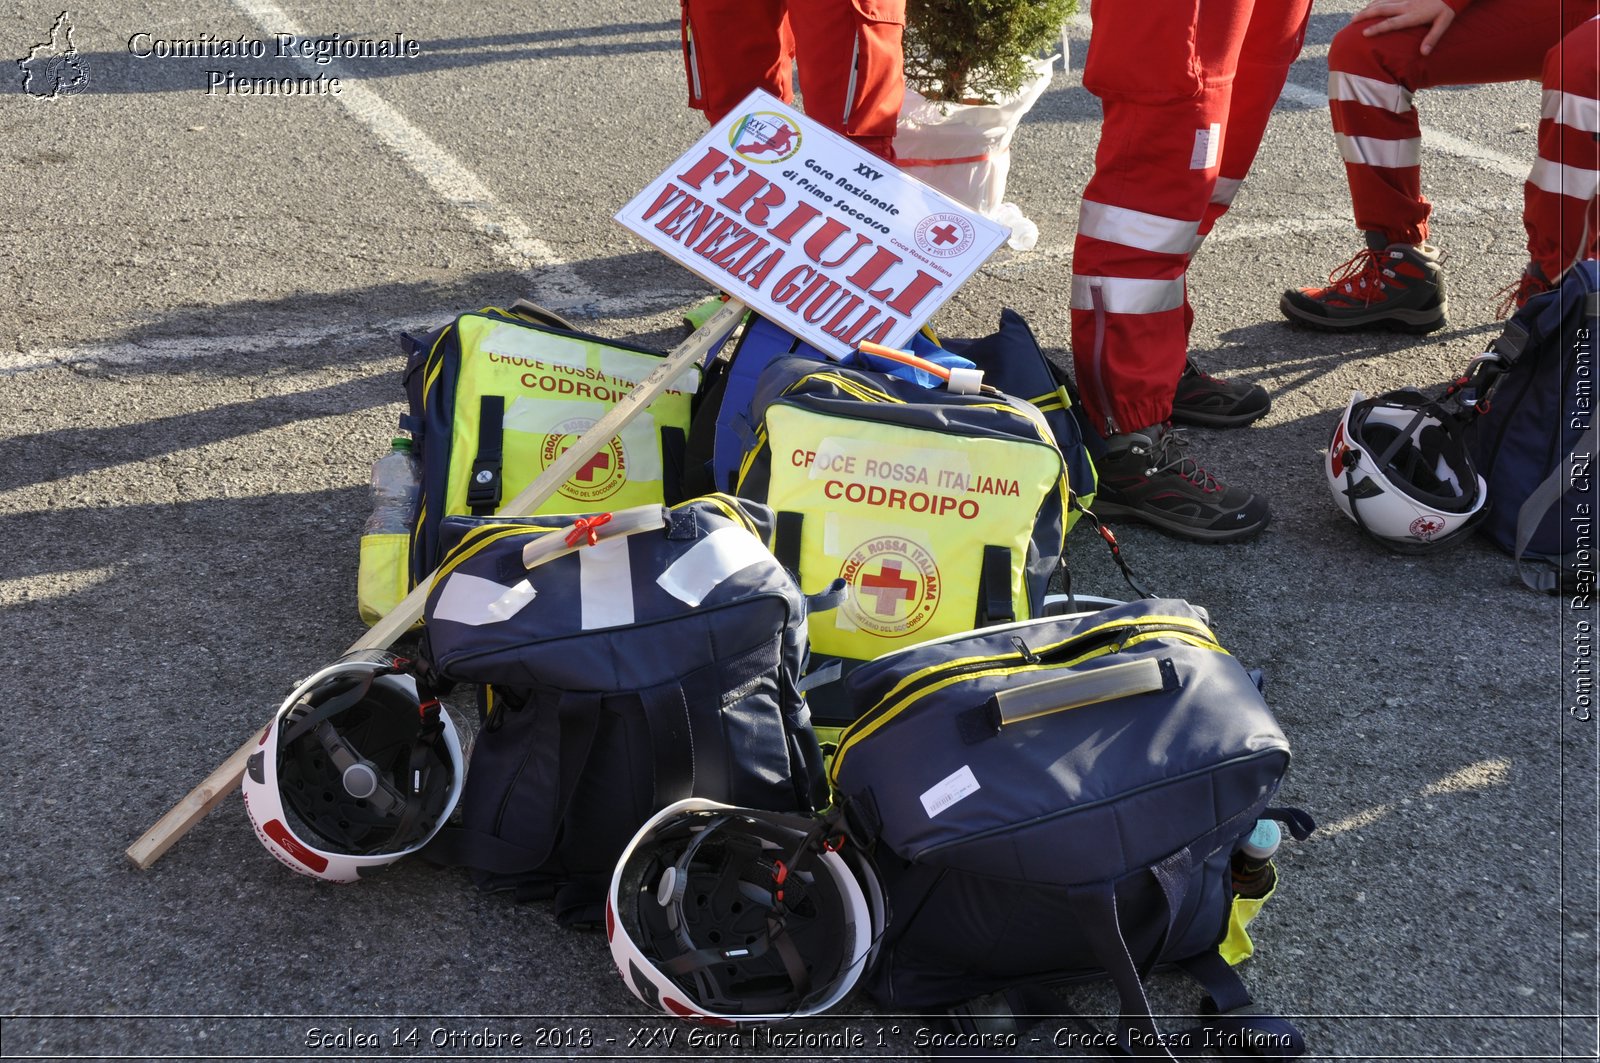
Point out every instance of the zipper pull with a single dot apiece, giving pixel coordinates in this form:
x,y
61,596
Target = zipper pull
x,y
1022,647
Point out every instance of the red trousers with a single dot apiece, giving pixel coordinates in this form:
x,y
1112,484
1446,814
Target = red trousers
x,y
1370,86
1186,96
848,51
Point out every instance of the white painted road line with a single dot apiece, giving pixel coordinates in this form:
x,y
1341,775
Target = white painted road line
x,y
191,347
325,333
560,288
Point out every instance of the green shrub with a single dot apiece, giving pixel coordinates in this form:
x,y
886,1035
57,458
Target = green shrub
x,y
967,50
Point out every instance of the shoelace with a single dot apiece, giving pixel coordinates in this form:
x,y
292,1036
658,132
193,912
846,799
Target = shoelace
x,y
1519,291
1365,264
1169,455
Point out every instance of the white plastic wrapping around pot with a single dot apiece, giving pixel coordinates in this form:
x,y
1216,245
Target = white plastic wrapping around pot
x,y
964,149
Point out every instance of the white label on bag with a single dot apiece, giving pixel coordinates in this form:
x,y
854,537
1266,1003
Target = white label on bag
x,y
949,790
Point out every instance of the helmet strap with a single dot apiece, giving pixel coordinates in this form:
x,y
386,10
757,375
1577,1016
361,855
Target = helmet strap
x,y
819,838
1403,438
316,715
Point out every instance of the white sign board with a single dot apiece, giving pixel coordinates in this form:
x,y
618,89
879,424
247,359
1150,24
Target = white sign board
x,y
824,238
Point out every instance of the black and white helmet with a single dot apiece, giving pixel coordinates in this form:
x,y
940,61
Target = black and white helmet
x,y
354,771
1397,465
727,915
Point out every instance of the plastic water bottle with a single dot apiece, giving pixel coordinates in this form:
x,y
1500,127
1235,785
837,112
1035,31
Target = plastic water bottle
x,y
395,478
1253,875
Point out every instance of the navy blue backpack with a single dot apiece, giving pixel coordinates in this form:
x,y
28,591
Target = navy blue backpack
x,y
630,670
1533,436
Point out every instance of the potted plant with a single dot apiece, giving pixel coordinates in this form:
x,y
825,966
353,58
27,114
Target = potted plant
x,y
973,68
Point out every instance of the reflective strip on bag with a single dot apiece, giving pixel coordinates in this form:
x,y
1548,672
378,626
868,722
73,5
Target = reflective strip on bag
x,y
605,585
707,563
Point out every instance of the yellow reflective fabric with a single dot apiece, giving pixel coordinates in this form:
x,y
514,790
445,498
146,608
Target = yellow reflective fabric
x,y
1236,945
554,388
903,515
384,576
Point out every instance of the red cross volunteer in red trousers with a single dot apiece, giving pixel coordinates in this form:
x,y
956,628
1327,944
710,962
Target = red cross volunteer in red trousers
x,y
848,52
1392,49
1186,89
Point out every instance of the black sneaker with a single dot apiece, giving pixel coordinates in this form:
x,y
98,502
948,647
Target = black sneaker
x,y
1212,402
1148,475
1394,286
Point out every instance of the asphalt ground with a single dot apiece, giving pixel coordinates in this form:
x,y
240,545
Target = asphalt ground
x,y
198,363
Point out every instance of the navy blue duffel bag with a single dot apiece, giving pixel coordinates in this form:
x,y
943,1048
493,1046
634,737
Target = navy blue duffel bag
x,y
1061,799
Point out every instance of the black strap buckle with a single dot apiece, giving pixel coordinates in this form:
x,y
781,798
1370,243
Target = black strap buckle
x,y
483,489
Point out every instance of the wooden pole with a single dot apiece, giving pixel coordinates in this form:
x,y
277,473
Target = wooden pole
x,y
221,782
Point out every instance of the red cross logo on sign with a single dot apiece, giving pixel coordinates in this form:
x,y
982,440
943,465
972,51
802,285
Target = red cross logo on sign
x,y
945,235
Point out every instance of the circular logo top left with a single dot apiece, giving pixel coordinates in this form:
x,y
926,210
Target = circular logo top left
x,y
764,137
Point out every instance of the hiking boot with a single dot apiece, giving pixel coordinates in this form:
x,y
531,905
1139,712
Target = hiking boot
x,y
1515,295
1148,475
1210,401
1394,286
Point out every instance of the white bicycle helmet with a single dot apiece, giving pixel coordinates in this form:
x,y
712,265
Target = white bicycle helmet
x,y
1398,467
353,772
729,915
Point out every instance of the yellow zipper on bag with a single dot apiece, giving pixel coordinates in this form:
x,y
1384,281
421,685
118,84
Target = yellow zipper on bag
x,y
433,366
478,538
961,670
853,388
1194,626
